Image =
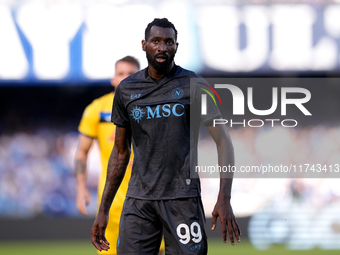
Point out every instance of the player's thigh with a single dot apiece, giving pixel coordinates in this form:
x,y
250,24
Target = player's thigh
x,y
140,230
184,223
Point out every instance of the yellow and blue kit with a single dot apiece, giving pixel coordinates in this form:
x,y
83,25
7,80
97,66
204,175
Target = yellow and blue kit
x,y
96,123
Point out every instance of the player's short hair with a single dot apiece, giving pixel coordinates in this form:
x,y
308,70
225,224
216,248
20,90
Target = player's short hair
x,y
165,23
129,59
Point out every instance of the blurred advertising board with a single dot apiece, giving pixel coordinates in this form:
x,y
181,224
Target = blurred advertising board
x,y
75,41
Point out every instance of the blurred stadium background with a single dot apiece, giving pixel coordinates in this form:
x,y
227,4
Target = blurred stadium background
x,y
57,56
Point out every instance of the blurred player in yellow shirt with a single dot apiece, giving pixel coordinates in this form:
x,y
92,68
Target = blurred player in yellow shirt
x,y
96,124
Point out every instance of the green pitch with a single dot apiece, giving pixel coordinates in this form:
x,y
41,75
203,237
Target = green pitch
x,y
216,247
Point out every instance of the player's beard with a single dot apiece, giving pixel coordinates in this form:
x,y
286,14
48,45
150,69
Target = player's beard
x,y
160,67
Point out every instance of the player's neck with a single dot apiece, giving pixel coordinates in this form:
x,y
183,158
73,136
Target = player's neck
x,y
153,73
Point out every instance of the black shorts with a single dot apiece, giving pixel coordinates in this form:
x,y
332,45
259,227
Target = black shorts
x,y
143,222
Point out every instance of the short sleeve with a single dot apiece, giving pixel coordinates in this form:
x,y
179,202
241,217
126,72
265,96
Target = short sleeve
x,y
89,121
119,115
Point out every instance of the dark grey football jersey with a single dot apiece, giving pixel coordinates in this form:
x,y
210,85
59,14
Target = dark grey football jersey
x,y
162,135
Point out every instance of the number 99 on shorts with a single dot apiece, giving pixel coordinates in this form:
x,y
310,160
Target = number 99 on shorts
x,y
186,234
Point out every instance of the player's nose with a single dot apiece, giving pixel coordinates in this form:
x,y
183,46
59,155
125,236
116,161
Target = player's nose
x,y
162,47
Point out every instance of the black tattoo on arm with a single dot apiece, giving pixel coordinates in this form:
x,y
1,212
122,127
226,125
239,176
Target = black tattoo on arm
x,y
80,167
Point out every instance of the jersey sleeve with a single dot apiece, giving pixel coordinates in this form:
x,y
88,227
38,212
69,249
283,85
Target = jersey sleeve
x,y
89,122
119,115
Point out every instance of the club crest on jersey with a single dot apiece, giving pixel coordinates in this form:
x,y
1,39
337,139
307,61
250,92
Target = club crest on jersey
x,y
137,113
177,93
105,117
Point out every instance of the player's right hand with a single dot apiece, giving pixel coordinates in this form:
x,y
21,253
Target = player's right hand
x,y
98,233
83,200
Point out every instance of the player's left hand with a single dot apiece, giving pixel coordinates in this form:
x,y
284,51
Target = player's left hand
x,y
224,211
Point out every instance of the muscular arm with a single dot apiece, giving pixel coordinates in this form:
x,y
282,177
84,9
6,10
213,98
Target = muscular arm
x,y
223,209
118,162
83,195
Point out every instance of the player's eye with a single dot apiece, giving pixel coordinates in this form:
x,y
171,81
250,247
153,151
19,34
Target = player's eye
x,y
170,42
155,40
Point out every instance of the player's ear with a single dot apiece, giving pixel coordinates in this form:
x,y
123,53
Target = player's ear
x,y
176,47
143,45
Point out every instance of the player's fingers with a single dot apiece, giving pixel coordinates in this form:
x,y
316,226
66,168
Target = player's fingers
x,y
88,199
238,228
97,246
79,204
104,246
84,212
231,232
214,220
236,231
106,241
224,229
94,238
81,208
102,240
100,243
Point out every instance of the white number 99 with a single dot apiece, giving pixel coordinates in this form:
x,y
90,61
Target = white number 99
x,y
197,235
185,238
